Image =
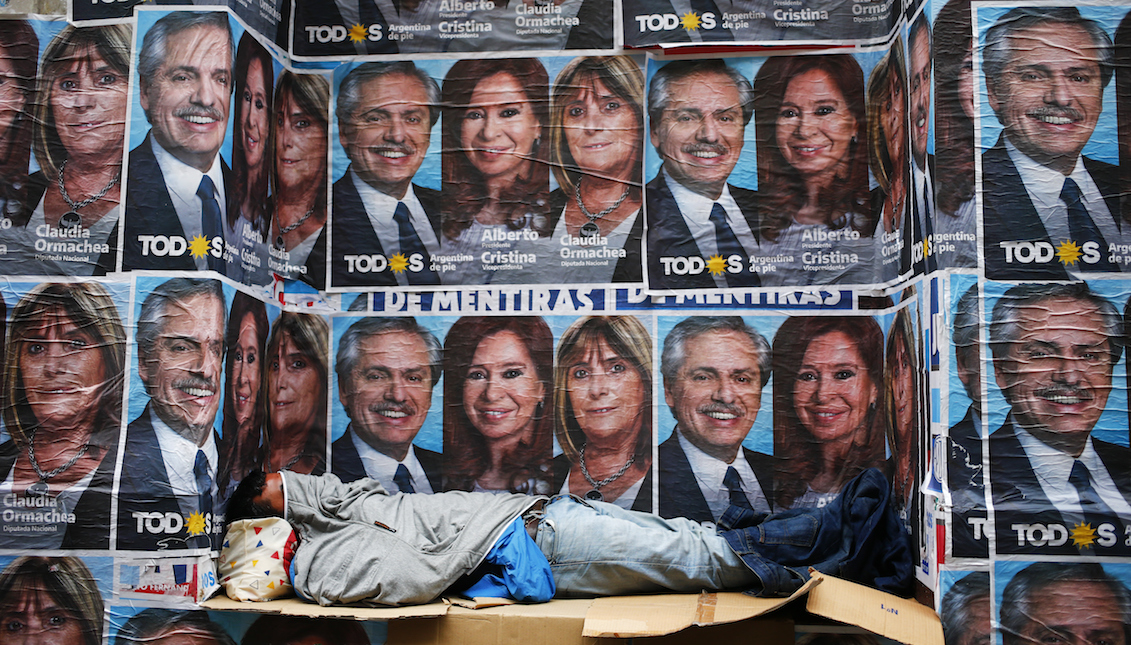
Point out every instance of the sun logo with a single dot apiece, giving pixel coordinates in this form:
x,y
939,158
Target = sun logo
x,y
926,247
198,247
1083,535
398,263
716,265
1068,252
690,21
358,34
195,524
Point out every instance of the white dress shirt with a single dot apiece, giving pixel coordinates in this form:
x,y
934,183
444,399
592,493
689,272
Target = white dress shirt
x,y
709,473
179,455
183,180
380,209
382,467
1052,468
696,211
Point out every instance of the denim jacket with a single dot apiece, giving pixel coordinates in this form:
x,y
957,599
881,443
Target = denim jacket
x,y
857,536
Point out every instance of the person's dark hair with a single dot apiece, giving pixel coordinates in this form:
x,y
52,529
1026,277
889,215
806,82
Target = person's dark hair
x,y
954,130
466,454
659,90
244,184
66,580
349,353
782,188
675,353
1005,322
965,332
144,627
235,449
920,28
528,199
957,603
156,40
349,91
242,505
796,450
284,630
151,321
20,46
997,50
1027,584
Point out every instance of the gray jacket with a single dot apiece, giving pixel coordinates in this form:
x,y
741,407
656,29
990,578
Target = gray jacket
x,y
359,543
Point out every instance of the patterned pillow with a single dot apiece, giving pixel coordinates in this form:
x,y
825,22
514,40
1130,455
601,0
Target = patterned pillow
x,y
256,559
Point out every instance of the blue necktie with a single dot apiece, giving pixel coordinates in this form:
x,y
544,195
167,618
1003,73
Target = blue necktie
x,y
203,483
727,245
1096,511
733,482
1081,227
403,480
210,219
410,243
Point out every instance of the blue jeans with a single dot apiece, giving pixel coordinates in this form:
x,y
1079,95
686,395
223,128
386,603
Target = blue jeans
x,y
596,548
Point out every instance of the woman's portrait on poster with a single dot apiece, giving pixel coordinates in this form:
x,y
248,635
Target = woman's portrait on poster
x,y
296,381
603,411
63,378
888,143
828,406
241,443
811,135
496,179
903,417
50,601
498,385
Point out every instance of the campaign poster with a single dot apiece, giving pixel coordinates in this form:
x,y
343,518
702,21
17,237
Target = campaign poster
x,y
487,172
341,29
65,365
966,604
1059,600
60,183
203,189
764,180
68,594
687,23
1048,166
1056,415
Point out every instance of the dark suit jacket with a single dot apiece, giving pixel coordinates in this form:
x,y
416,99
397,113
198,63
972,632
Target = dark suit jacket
x,y
149,211
1019,498
964,477
1010,215
354,235
37,185
144,488
91,528
679,491
629,268
642,503
347,464
668,235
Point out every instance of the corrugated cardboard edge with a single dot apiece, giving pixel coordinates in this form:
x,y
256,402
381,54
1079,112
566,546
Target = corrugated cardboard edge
x,y
639,616
881,613
296,607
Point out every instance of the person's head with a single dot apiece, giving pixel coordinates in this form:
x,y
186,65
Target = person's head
x,y
303,630
245,340
968,360
498,379
81,99
954,106
887,115
714,369
901,387
1054,348
302,121
258,495
64,370
297,369
387,368
919,56
966,611
185,82
810,126
171,627
496,112
19,51
180,348
828,377
1066,602
596,120
603,384
698,111
386,112
1046,69
50,601
251,130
